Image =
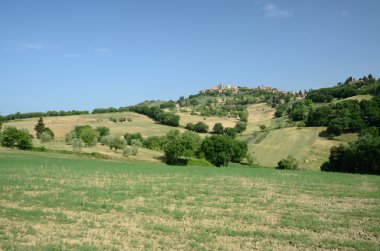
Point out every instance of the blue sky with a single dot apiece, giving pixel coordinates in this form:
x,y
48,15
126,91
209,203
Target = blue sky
x,y
61,55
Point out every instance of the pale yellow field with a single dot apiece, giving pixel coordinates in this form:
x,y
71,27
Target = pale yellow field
x,y
210,121
62,125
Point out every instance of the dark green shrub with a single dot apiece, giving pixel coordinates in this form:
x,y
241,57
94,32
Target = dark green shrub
x,y
218,128
290,163
241,126
201,127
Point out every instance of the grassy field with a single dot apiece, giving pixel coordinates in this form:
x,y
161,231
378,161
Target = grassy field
x,y
303,143
53,202
357,97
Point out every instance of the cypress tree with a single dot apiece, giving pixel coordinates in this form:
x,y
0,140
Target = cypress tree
x,y
39,127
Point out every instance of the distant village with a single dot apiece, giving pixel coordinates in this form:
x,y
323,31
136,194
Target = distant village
x,y
235,89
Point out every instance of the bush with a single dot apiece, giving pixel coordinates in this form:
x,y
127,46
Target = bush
x,y
134,150
69,137
135,146
89,136
201,127
251,159
103,131
129,119
155,142
136,142
230,132
190,126
121,119
218,128
127,151
105,140
77,144
113,119
244,116
24,141
116,142
50,132
301,124
45,137
241,126
131,136
290,163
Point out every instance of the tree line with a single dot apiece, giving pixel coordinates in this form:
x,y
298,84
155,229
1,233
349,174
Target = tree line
x,y
157,114
350,87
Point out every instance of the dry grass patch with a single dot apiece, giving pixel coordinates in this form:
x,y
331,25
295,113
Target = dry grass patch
x,y
210,121
259,114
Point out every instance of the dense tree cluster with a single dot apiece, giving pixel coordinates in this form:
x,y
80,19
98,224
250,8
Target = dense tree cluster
x,y
346,116
178,147
13,137
156,113
220,150
217,149
109,110
366,85
298,111
362,156
168,105
84,133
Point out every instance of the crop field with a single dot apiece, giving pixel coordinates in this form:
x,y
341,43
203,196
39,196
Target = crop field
x,y
57,203
62,125
302,143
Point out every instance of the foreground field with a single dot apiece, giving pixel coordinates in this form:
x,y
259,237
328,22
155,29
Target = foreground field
x,y
55,202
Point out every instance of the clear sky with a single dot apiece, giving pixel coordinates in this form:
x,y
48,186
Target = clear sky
x,y
77,54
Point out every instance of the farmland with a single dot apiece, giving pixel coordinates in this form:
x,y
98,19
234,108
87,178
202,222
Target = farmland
x,y
55,202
